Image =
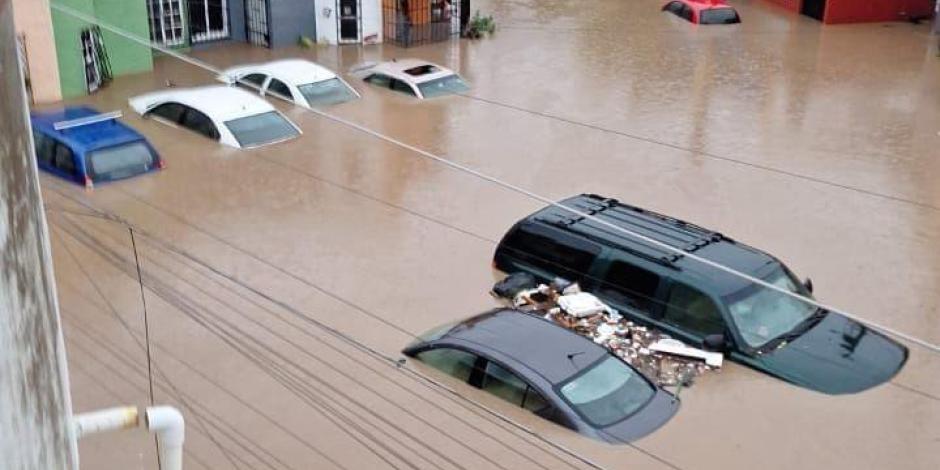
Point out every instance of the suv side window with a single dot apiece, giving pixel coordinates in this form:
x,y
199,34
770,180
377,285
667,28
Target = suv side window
x,y
454,362
65,159
278,88
169,111
45,148
200,123
629,285
379,80
555,252
693,311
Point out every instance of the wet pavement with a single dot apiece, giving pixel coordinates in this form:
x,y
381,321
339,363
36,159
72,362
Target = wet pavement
x,y
818,145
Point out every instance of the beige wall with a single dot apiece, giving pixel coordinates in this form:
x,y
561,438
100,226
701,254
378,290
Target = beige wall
x,y
33,21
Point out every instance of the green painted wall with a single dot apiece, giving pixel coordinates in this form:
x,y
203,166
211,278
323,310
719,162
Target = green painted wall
x,y
126,56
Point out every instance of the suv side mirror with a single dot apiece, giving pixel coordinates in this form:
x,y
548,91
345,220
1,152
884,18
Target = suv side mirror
x,y
716,342
808,284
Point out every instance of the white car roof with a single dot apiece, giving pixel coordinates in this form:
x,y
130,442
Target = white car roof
x,y
220,102
291,71
397,69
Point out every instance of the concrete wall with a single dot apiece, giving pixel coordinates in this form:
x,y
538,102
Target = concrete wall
x,y
34,23
35,411
126,56
291,19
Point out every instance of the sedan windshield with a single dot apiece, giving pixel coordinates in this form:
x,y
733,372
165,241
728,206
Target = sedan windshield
x,y
607,393
327,92
120,161
762,314
443,86
719,16
261,129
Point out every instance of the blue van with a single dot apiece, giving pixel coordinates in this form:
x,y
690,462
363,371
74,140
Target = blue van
x,y
80,144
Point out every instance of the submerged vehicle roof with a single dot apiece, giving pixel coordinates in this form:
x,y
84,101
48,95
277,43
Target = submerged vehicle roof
x,y
500,330
678,234
84,137
412,70
219,102
291,71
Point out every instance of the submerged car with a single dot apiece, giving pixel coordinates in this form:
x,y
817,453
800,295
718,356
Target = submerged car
x,y
699,304
703,11
550,371
80,144
301,81
231,116
413,77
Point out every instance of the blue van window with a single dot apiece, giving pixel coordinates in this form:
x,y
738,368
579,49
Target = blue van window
x,y
45,148
65,160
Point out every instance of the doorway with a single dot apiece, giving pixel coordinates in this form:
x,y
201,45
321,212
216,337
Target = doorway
x,y
814,9
350,21
256,22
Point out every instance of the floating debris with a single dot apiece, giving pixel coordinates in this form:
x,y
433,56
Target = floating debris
x,y
664,360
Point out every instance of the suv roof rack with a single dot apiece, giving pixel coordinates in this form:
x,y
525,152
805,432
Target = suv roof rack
x,y
673,232
84,121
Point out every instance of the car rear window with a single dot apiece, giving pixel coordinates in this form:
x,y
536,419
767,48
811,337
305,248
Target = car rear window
x,y
556,252
332,91
719,16
448,85
609,392
121,161
260,129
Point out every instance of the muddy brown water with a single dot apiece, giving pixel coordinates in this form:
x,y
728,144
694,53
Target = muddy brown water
x,y
816,144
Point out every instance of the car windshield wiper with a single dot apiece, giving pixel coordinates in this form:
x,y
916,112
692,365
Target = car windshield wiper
x,y
797,331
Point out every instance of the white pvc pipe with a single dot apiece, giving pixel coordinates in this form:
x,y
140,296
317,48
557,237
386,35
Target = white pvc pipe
x,y
111,419
167,423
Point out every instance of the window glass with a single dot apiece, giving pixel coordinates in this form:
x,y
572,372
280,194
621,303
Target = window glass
x,y
278,88
401,86
607,393
629,285
443,86
453,362
379,80
686,12
45,148
719,16
170,111
327,92
64,159
556,252
200,123
504,384
693,311
762,314
534,401
254,80
260,129
120,161
674,7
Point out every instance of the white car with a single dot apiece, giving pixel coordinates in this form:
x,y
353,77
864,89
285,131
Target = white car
x,y
231,116
414,77
301,81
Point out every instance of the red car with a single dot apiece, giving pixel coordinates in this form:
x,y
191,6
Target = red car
x,y
703,11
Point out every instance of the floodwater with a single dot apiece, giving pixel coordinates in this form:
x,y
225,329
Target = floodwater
x,y
819,145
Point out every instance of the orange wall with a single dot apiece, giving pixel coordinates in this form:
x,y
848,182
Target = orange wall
x,y
33,20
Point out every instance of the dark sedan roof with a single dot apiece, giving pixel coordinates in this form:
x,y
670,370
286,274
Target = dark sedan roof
x,y
538,344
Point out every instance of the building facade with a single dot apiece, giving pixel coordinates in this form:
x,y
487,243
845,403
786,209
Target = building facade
x,y
860,11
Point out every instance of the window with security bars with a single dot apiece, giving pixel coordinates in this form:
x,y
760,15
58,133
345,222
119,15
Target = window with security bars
x,y
166,21
414,22
208,20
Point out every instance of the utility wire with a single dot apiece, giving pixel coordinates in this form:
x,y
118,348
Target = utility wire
x,y
511,187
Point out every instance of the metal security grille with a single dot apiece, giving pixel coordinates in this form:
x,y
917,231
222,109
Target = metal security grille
x,y
166,21
349,21
413,22
256,22
95,58
208,20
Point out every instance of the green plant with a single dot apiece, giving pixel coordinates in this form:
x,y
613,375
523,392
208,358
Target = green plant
x,y
480,25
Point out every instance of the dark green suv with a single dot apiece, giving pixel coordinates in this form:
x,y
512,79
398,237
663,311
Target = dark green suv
x,y
704,306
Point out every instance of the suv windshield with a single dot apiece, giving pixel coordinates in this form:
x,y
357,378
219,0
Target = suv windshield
x,y
443,86
762,314
719,16
120,161
327,92
261,129
607,393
